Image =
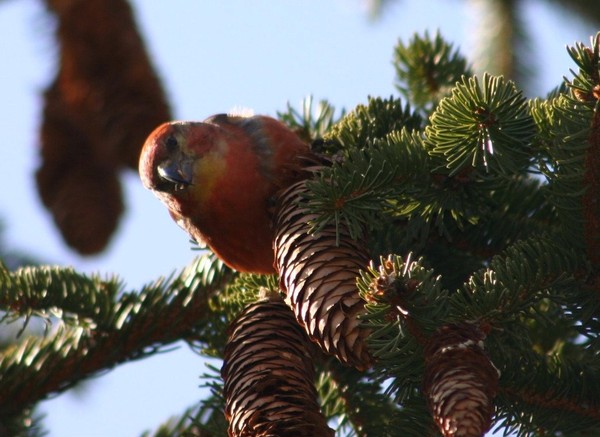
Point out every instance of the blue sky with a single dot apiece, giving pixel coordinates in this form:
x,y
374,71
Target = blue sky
x,y
212,56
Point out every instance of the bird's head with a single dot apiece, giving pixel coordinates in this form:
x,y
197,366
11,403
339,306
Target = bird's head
x,y
180,155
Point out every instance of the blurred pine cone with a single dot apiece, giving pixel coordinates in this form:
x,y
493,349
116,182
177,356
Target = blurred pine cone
x,y
97,113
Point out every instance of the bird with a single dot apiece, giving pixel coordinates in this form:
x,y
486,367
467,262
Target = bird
x,y
219,179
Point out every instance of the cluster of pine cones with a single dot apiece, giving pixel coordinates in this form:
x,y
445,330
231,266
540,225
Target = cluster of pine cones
x,y
268,367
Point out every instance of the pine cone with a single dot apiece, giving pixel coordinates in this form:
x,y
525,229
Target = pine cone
x,y
460,381
106,78
98,111
269,376
319,278
83,195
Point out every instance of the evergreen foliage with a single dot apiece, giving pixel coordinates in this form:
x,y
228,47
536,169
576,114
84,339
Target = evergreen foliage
x,y
490,205
427,69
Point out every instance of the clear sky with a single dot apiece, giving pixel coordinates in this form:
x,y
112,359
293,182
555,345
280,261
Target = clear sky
x,y
212,56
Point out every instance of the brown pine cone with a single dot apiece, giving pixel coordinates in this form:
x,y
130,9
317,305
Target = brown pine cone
x,y
460,381
269,376
98,111
106,78
83,195
319,278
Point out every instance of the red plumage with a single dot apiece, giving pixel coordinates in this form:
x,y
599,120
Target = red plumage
x,y
219,179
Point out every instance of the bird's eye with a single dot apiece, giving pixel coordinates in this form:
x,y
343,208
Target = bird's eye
x,y
171,143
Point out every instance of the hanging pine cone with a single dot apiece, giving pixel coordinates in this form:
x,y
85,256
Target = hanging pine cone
x,y
98,111
83,195
106,78
269,376
318,276
460,381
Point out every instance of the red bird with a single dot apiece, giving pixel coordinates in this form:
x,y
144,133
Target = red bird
x,y
219,180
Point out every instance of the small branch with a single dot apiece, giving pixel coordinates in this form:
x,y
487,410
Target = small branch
x,y
552,400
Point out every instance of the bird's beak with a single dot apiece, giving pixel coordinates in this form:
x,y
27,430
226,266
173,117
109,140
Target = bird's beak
x,y
178,172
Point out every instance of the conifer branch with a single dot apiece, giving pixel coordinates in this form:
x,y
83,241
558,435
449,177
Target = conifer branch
x,y
141,324
45,291
549,400
404,305
388,176
311,124
189,424
427,69
565,138
378,179
376,119
525,273
540,392
483,127
355,399
26,424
